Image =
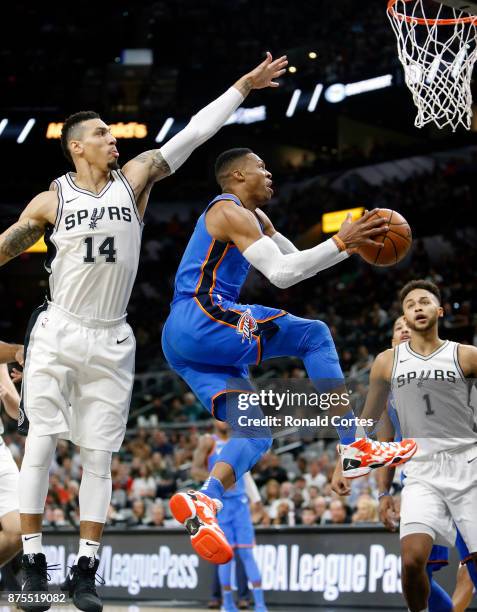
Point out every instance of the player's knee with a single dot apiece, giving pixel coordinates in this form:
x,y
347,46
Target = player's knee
x,y
319,336
96,462
413,560
39,451
262,445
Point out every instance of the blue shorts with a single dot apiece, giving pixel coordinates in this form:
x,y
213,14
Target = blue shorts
x,y
210,342
235,521
210,352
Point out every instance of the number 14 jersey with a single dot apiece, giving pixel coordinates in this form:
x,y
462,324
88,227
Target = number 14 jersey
x,y
433,400
93,248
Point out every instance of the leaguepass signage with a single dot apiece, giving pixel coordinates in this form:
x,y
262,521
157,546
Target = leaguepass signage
x,y
299,566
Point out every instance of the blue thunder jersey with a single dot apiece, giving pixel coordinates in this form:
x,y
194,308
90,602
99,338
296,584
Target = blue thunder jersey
x,y
238,490
220,274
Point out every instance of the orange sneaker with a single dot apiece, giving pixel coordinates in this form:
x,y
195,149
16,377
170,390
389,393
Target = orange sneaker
x,y
197,512
364,455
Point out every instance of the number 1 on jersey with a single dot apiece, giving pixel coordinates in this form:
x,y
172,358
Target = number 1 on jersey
x,y
427,400
106,249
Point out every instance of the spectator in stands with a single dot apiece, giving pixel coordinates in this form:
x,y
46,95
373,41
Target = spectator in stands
x,y
144,485
308,516
338,513
138,514
314,476
157,516
320,508
161,444
366,510
273,470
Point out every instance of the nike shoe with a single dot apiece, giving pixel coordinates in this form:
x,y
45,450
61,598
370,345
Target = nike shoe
x,y
35,579
197,512
364,455
80,585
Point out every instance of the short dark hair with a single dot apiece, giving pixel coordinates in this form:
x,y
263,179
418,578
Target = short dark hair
x,y
420,284
70,123
224,160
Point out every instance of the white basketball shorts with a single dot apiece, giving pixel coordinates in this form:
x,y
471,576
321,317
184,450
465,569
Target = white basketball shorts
x,y
8,481
78,377
441,493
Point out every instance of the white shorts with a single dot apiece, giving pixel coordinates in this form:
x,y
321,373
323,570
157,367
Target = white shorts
x,y
78,377
8,481
441,493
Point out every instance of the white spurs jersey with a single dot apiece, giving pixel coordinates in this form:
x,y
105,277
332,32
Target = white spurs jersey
x,y
93,248
433,399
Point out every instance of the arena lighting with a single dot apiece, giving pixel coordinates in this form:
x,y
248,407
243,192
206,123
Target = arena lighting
x,y
118,130
315,98
339,91
293,102
26,130
313,55
292,69
331,222
248,115
3,125
164,129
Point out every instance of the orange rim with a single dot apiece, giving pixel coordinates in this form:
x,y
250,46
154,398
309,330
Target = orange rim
x,y
423,20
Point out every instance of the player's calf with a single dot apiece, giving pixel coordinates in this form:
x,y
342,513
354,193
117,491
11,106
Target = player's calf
x,y
197,512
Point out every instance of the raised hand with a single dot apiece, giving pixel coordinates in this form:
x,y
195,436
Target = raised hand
x,y
264,74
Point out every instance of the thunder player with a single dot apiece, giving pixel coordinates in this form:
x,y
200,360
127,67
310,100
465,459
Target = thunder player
x,y
210,339
79,348
428,380
234,519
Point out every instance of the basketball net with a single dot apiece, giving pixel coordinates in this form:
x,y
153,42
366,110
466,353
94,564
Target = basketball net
x,y
437,47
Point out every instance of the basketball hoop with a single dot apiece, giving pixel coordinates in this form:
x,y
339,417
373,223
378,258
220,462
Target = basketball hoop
x,y
437,47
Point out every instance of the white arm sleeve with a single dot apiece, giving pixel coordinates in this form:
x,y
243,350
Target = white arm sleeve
x,y
287,270
286,246
251,488
200,128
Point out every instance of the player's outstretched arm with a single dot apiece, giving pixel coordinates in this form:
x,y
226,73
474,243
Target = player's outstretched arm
x,y
467,356
239,225
154,165
30,226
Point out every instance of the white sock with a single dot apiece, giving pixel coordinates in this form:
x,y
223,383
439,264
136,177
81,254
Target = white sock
x,y
87,548
31,543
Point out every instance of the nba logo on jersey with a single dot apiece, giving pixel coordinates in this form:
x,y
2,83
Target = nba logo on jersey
x,y
246,325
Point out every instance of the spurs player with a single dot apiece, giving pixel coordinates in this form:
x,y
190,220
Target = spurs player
x,y
79,348
10,540
429,380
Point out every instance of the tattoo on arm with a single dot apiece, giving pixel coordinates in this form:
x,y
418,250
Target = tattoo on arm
x,y
244,86
160,167
20,238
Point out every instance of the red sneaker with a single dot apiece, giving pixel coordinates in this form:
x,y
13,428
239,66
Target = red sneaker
x,y
197,512
364,455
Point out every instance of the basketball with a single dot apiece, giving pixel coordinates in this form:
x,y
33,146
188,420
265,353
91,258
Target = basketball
x,y
397,240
